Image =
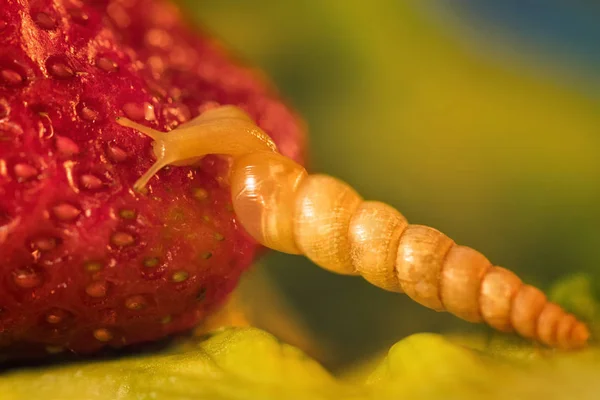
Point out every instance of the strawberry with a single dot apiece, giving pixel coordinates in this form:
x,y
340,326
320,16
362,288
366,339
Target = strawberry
x,y
86,262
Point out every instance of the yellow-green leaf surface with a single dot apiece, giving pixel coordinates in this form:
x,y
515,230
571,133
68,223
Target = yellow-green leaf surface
x,y
242,363
246,363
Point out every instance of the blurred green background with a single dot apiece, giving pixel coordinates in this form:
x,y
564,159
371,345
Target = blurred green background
x,y
480,118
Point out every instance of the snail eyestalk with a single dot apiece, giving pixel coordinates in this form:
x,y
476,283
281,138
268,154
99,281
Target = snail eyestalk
x,y
286,209
151,133
224,130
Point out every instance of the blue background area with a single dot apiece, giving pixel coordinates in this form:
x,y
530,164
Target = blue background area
x,y
569,27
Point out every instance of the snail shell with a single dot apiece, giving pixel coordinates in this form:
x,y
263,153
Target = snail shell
x,y
327,221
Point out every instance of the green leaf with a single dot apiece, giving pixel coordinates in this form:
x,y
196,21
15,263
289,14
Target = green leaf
x,y
246,363
431,367
243,363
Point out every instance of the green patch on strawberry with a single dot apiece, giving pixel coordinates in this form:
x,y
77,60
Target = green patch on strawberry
x,y
86,262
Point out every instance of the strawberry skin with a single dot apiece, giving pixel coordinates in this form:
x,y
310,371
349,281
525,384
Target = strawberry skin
x,y
85,262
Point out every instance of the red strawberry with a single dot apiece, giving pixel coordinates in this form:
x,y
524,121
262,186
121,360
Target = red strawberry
x,y
84,261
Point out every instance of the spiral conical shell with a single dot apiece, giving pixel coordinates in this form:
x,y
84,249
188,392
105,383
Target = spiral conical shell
x,y
327,221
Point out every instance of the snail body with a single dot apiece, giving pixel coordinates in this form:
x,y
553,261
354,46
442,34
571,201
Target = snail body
x,y
286,209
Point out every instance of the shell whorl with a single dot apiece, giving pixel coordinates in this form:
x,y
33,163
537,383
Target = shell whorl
x,y
333,226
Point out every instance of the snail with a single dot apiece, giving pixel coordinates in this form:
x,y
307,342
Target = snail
x,y
286,209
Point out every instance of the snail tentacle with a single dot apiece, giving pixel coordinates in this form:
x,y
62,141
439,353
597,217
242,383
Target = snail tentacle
x,y
225,130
